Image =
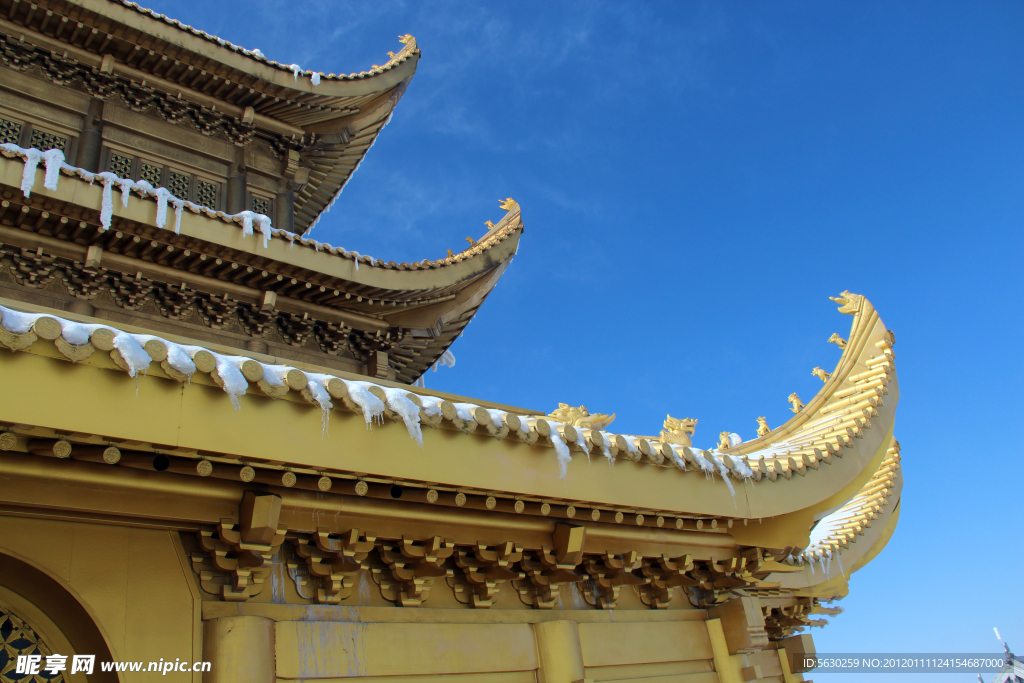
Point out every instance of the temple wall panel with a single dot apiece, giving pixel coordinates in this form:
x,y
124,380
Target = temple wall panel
x,y
130,581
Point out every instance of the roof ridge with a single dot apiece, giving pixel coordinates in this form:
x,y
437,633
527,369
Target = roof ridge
x,y
395,58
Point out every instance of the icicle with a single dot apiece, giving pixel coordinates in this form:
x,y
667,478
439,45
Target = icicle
x,y
317,385
178,206
296,70
561,450
581,441
126,189
263,225
355,257
724,471
705,465
54,159
107,202
162,195
28,174
605,450
246,217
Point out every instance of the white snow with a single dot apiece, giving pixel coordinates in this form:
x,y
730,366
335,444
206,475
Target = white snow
x,y
407,410
230,370
296,70
678,460
179,360
605,451
447,359
133,353
315,78
561,449
372,407
107,202
162,195
735,440
54,160
431,405
724,471
28,174
316,383
17,322
464,411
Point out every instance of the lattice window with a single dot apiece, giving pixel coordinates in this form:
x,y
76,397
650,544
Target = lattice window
x,y
206,193
44,141
10,131
178,184
151,173
120,165
17,638
261,205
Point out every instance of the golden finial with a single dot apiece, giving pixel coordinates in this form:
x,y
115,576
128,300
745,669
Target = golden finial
x,y
797,404
837,340
820,374
450,254
762,426
471,241
580,417
391,54
406,39
848,302
678,431
723,441
508,204
490,225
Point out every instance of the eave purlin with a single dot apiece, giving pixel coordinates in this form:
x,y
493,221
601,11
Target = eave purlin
x,y
205,502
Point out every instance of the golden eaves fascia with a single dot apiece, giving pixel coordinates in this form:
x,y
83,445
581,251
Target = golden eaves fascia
x,y
824,473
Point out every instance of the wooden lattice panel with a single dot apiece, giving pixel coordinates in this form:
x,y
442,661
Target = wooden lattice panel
x,y
261,205
45,141
151,173
206,193
121,165
10,131
178,184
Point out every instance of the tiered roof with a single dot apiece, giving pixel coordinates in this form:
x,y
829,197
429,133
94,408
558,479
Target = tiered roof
x,y
332,123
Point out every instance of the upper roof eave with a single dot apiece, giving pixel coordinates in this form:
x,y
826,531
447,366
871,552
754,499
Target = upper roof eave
x,y
376,79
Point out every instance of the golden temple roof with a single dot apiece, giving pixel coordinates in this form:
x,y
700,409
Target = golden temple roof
x,y
827,458
331,119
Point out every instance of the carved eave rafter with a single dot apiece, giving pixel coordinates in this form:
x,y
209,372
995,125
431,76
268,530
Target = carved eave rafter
x,y
150,60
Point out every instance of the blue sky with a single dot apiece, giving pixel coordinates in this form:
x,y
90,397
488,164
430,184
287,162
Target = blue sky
x,y
696,179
